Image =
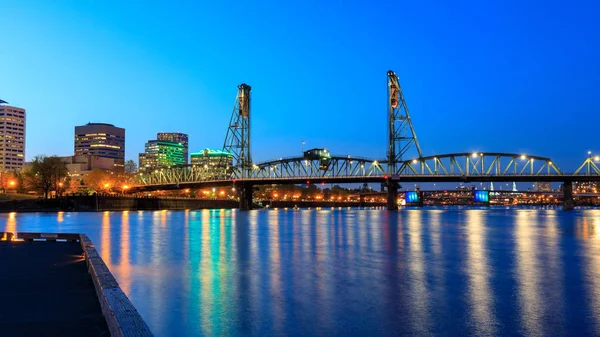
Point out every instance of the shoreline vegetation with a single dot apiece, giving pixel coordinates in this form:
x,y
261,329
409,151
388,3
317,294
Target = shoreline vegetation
x,y
94,203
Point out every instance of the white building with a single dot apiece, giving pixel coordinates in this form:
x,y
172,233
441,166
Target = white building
x,y
12,137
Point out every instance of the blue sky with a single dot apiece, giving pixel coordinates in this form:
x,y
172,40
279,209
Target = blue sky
x,y
510,76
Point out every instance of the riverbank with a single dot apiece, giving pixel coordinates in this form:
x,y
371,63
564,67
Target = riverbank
x,y
94,203
99,203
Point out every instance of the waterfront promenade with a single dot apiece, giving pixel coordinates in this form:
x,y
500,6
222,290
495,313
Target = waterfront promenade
x,y
51,288
45,290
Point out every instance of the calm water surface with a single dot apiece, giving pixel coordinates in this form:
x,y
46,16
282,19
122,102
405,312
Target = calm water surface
x,y
349,272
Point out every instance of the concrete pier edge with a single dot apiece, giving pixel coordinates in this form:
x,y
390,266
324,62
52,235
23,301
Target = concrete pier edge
x,y
121,316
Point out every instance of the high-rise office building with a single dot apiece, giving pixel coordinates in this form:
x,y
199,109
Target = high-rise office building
x,y
161,153
12,137
176,137
212,157
217,162
79,166
102,140
542,186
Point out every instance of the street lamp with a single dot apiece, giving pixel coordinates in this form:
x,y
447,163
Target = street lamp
x,y
59,188
12,185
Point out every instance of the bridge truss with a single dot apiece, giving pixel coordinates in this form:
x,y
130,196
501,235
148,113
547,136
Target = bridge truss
x,y
402,138
481,164
589,167
465,165
336,167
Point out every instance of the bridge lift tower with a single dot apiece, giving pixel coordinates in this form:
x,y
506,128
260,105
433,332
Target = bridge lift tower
x,y
401,135
237,139
237,142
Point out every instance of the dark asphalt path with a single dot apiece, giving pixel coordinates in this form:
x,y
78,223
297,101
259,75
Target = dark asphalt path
x,y
45,290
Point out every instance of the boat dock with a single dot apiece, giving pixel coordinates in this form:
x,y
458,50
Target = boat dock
x,y
57,285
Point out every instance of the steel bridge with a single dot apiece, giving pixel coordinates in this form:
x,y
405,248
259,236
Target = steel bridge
x,y
391,170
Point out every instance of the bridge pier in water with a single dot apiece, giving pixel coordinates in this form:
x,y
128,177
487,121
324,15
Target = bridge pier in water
x,y
568,203
245,195
392,195
361,200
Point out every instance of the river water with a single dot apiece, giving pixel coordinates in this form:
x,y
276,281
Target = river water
x,y
349,272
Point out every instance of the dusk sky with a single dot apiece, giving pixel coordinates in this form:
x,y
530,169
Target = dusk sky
x,y
515,76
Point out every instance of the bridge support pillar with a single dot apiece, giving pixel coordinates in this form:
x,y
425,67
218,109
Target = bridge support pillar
x,y
361,200
245,194
568,203
392,195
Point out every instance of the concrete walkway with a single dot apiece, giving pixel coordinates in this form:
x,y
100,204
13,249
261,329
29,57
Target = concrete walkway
x,y
46,290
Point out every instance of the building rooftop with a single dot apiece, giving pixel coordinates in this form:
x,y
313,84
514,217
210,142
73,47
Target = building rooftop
x,y
166,142
212,153
100,124
173,133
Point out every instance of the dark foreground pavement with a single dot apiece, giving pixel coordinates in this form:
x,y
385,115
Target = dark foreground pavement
x,y
46,290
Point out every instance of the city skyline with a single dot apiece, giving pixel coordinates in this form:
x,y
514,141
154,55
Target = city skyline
x,y
494,90
300,168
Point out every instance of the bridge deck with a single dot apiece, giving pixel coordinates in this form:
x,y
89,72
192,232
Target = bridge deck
x,y
428,178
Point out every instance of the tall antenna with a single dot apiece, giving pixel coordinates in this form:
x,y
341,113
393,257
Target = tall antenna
x,y
400,129
237,140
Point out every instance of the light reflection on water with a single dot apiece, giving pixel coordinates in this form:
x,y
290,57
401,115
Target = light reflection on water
x,y
417,272
349,272
590,231
529,273
478,272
